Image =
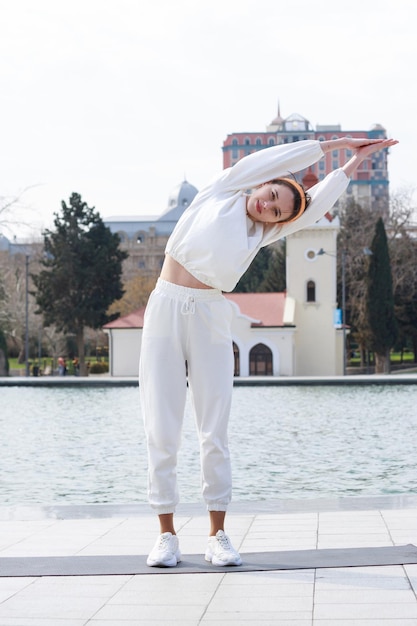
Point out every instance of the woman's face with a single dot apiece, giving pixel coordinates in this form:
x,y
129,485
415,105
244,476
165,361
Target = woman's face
x,y
270,203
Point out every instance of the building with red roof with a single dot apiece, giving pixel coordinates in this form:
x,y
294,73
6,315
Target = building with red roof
x,y
274,334
282,334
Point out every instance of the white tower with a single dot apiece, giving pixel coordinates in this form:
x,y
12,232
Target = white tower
x,y
312,284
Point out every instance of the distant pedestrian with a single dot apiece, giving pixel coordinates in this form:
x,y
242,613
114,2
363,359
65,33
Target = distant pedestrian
x,y
62,366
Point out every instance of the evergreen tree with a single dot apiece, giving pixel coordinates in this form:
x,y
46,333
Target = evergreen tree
x,y
4,362
274,279
380,300
82,275
254,275
266,272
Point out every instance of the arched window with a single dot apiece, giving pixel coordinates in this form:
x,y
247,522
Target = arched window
x,y
140,237
234,149
260,361
311,291
236,355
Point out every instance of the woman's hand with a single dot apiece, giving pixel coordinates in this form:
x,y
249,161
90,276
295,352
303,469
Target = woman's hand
x,y
350,143
363,151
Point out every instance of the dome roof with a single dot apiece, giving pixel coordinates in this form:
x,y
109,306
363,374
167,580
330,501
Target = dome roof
x,y
377,127
179,199
277,122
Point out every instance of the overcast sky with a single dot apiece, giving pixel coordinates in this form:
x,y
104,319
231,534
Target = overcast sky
x,y
119,100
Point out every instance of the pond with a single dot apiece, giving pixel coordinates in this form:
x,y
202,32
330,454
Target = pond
x,y
86,445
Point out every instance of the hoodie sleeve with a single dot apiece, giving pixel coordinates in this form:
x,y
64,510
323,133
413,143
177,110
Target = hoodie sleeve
x,y
269,163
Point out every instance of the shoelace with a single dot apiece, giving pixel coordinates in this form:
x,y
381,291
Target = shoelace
x,y
224,542
163,541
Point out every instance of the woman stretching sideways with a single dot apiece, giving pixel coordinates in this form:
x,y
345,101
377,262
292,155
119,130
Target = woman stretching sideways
x,y
187,328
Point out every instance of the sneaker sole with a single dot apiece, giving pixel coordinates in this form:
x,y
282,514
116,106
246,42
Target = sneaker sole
x,y
171,563
213,561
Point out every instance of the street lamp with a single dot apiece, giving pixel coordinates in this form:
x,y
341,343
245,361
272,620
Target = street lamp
x,y
27,318
366,252
319,253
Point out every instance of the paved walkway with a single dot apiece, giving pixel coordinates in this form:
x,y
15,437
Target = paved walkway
x,y
356,596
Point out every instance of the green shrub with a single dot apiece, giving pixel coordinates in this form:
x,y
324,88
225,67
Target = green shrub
x,y
99,368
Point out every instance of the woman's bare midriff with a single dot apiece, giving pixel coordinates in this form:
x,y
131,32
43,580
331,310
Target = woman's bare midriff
x,y
175,273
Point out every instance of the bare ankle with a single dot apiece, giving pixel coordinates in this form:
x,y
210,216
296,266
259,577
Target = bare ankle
x,y
216,522
166,523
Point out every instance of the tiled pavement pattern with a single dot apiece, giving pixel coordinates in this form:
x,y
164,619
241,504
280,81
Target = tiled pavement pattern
x,y
357,596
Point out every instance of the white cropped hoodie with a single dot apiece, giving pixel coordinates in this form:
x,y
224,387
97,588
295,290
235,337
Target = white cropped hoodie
x,y
215,240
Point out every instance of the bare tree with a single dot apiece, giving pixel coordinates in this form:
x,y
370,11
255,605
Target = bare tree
x,y
357,230
402,234
13,303
136,294
10,207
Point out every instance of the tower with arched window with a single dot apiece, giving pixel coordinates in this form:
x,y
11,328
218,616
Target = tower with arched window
x,y
312,284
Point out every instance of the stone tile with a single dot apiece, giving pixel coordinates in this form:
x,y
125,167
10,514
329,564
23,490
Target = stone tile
x,y
254,579
381,611
365,622
182,584
283,542
353,541
384,577
258,618
228,603
363,596
48,606
137,621
43,621
254,620
80,586
178,614
11,586
276,589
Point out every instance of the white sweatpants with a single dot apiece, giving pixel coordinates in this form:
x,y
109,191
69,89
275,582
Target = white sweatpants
x,y
192,325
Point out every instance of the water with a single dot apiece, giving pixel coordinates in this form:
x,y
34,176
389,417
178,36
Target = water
x,y
85,446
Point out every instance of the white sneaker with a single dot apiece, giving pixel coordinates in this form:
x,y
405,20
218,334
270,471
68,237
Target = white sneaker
x,y
220,550
166,552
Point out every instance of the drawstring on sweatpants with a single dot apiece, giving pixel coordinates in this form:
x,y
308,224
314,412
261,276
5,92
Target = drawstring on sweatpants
x,y
188,306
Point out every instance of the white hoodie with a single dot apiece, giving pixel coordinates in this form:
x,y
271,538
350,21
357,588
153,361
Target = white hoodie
x,y
215,240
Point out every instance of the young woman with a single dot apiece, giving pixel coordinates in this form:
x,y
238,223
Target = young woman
x,y
188,321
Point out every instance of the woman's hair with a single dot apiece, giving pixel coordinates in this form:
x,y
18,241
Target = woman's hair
x,y
301,198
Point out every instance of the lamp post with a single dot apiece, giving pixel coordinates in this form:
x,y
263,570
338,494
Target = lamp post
x,y
344,308
27,318
366,252
320,253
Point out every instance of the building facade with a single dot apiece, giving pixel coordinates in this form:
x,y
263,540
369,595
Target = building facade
x,y
302,338
369,184
274,334
144,238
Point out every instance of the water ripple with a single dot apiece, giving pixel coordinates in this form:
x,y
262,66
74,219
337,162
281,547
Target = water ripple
x,y
84,446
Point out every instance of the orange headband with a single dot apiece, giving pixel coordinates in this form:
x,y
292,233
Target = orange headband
x,y
301,191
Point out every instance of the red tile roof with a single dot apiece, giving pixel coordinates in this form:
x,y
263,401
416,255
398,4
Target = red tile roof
x,y
133,320
266,309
